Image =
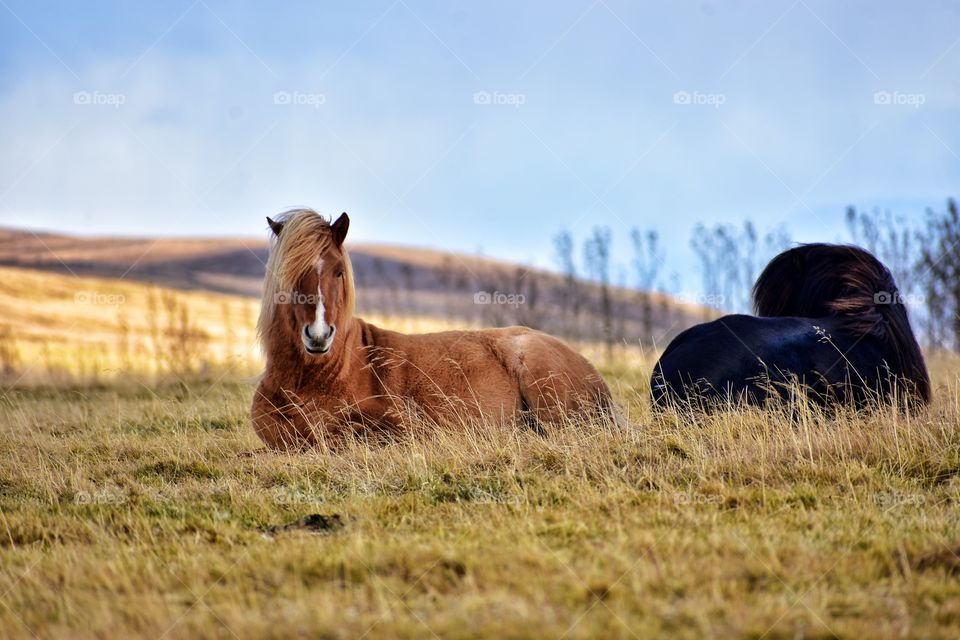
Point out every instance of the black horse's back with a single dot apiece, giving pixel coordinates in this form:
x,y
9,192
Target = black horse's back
x,y
741,358
831,319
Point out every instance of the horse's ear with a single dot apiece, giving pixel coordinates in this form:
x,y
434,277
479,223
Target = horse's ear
x,y
339,228
275,226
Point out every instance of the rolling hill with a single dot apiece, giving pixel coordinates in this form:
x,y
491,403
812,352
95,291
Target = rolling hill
x,y
392,281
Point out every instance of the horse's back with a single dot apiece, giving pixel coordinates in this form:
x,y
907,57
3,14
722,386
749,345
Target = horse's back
x,y
500,370
746,358
555,380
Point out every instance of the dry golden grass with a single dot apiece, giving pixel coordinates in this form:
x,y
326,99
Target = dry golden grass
x,y
67,329
128,510
55,327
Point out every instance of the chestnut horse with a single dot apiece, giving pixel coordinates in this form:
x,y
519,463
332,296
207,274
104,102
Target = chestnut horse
x,y
330,374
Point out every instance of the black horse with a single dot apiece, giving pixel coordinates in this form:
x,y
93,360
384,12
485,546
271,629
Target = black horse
x,y
830,318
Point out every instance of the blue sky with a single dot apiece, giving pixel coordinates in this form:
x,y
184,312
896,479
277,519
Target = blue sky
x,y
476,125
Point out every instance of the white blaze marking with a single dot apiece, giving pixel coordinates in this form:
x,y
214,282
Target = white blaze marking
x,y
319,329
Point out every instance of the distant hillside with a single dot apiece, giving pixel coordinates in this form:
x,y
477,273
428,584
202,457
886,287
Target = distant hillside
x,y
391,280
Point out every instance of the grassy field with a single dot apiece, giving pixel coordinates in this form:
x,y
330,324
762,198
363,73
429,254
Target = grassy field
x,y
151,510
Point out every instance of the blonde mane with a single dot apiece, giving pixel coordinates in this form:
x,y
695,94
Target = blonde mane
x,y
306,236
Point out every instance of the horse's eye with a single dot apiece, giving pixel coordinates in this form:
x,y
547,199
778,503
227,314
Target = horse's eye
x,y
339,274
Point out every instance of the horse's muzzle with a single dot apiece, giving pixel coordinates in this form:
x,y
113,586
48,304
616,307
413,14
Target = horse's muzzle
x,y
317,346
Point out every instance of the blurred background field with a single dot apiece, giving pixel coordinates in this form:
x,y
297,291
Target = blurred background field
x,y
86,309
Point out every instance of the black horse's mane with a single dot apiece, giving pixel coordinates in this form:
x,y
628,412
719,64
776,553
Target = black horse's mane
x,y
848,283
